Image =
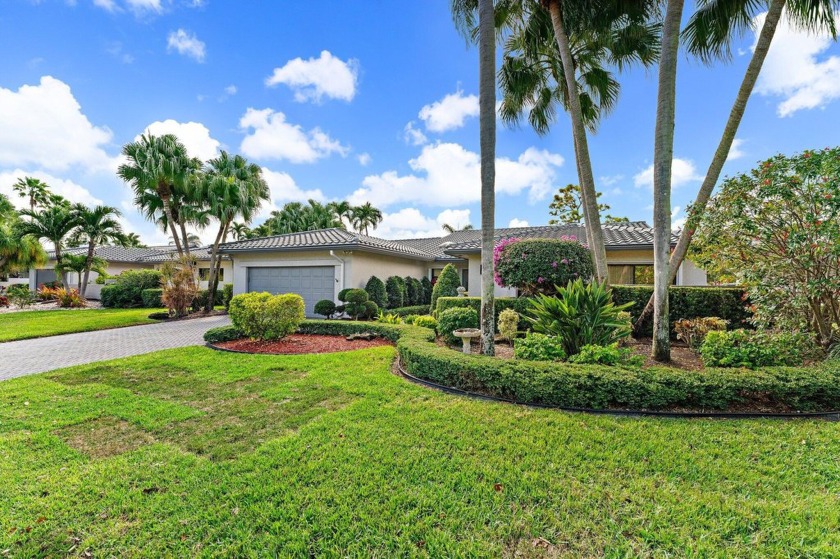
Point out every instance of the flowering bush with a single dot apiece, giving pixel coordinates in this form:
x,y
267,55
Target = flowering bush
x,y
538,265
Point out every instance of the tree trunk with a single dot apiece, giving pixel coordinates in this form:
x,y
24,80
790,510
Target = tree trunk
x,y
88,264
594,233
663,156
765,38
211,279
487,122
167,210
185,241
57,260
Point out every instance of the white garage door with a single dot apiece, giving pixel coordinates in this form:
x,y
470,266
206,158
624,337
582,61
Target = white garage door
x,y
313,283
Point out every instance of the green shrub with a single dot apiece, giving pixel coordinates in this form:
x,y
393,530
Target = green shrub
x,y
127,289
728,303
151,298
222,334
265,316
519,304
693,331
539,347
342,295
539,265
162,315
426,321
18,288
508,324
413,292
375,288
405,311
409,318
580,314
19,295
395,289
751,349
611,355
355,303
227,294
455,319
446,285
201,297
325,308
426,285
371,309
389,318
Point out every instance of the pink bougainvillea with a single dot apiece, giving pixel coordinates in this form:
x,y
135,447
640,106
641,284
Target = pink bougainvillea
x,y
497,254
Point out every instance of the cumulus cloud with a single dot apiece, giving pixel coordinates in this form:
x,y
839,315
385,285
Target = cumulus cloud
x,y
194,135
736,150
682,172
410,223
516,222
447,174
144,6
63,187
797,70
450,112
187,44
364,159
284,189
316,78
413,136
43,126
610,180
270,136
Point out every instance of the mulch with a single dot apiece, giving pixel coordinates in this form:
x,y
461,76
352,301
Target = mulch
x,y
302,343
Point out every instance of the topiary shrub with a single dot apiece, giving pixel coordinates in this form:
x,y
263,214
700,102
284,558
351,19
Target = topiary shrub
x,y
127,289
342,295
446,285
426,321
151,298
375,288
426,295
325,308
455,319
538,265
227,294
539,347
371,310
508,324
413,291
395,289
265,316
355,300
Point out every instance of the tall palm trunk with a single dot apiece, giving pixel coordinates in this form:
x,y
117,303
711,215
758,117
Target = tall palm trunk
x,y
88,264
589,199
765,38
487,123
185,239
663,156
212,284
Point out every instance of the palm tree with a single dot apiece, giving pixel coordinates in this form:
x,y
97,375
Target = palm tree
x,y
342,210
97,226
239,230
232,188
36,190
365,216
132,240
53,224
80,263
18,251
159,168
451,228
708,35
192,241
7,210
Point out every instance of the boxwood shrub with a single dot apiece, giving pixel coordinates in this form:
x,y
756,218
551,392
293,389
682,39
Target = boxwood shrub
x,y
815,388
223,334
405,311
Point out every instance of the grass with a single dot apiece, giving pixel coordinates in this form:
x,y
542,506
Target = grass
x,y
36,324
192,452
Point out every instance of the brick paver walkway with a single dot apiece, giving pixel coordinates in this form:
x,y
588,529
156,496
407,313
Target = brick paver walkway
x,y
26,357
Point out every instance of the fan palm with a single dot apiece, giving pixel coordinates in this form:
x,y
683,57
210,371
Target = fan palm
x,y
97,226
53,224
365,216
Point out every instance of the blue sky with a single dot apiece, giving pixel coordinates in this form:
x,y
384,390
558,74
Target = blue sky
x,y
367,101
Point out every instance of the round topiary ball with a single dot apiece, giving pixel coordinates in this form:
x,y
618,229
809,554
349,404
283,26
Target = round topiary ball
x,y
325,307
540,265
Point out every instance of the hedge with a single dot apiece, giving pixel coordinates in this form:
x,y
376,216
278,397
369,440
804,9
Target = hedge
x,y
815,388
127,289
405,311
728,303
151,298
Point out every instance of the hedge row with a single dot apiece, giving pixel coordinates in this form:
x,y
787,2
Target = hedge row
x,y
405,311
815,388
728,303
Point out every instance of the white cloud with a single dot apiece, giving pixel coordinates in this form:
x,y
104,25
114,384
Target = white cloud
x,y
230,90
610,180
736,150
194,135
413,136
272,137
143,6
447,174
43,125
515,222
67,188
108,5
284,189
410,223
187,44
797,70
450,112
682,172
316,78
364,159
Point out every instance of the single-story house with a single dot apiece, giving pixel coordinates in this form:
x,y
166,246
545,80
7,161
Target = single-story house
x,y
119,259
318,264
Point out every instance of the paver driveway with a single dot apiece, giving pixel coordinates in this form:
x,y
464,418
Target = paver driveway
x,y
26,357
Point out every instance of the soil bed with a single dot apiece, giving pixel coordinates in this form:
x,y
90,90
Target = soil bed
x,y
301,343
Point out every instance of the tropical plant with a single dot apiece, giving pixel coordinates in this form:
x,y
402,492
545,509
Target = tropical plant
x,y
96,226
580,314
264,316
132,240
694,331
18,251
456,319
447,285
567,207
54,223
539,265
508,324
36,191
239,231
539,347
80,264
179,285
376,291
426,321
69,298
20,296
364,217
389,318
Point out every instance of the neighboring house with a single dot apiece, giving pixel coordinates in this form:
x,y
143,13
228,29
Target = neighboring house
x,y
120,259
319,264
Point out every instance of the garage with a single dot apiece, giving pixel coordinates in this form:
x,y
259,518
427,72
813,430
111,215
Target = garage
x,y
313,283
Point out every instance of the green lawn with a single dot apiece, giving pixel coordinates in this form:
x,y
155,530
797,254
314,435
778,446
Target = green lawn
x,y
192,452
36,324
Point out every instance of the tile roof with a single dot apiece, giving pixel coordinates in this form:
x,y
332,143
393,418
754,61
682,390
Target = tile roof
x,y
326,239
134,254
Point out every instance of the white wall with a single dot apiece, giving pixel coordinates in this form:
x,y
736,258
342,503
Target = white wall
x,y
690,274
475,280
363,265
266,259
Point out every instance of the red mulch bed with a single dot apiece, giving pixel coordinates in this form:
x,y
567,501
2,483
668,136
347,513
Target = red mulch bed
x,y
302,343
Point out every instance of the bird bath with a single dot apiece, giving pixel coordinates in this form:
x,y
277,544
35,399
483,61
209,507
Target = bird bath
x,y
466,334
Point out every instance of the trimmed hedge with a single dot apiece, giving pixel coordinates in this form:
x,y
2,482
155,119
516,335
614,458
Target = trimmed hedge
x,y
151,298
127,289
405,311
203,295
223,334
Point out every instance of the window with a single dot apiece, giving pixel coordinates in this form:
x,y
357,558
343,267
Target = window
x,y
204,274
630,274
